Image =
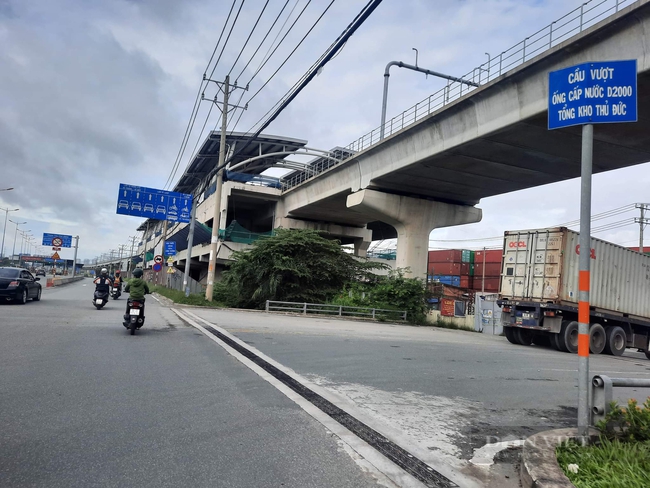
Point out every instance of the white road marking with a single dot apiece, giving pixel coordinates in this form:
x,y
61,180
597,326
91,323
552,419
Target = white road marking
x,y
386,472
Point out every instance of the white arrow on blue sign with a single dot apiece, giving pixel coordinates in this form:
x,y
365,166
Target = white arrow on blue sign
x,y
592,93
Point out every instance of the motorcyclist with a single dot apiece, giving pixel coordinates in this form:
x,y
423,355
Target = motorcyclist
x,y
137,288
117,279
103,283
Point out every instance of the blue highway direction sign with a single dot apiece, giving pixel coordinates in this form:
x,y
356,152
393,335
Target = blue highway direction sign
x,y
592,93
57,240
150,203
170,248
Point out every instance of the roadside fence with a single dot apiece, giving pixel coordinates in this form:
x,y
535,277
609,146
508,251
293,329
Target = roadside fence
x,y
335,310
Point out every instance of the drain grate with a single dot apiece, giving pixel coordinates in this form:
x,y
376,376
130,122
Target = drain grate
x,y
409,463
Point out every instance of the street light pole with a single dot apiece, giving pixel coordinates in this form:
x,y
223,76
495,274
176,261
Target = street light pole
x,y
13,252
74,259
4,230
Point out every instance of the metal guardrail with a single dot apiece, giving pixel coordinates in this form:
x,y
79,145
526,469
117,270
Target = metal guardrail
x,y
573,23
327,309
602,393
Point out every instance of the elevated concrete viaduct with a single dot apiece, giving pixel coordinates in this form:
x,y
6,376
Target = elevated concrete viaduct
x,y
493,140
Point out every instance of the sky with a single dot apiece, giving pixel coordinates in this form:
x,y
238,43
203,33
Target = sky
x,y
94,94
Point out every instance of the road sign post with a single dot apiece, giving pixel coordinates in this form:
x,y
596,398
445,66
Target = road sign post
x,y
587,94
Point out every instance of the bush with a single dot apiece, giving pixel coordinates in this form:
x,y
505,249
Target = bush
x,y
631,424
179,297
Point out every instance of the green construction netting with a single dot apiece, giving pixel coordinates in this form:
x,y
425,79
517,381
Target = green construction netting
x,y
237,233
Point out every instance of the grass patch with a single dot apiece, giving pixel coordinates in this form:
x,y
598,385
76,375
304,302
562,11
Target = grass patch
x,y
177,296
608,464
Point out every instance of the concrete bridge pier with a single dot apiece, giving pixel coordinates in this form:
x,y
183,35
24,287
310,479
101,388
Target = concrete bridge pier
x,y
413,219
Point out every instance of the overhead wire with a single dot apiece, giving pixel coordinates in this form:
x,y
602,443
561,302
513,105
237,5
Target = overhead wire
x,y
200,136
268,56
249,37
190,124
330,53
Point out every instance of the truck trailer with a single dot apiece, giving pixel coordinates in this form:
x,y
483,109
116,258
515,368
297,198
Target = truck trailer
x,y
539,292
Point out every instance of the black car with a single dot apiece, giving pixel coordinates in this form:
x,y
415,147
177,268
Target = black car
x,y
19,285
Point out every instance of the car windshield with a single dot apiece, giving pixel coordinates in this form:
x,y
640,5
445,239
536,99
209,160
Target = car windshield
x,y
8,273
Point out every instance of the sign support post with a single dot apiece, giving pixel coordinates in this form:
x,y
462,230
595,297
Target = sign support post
x,y
583,281
587,94
188,253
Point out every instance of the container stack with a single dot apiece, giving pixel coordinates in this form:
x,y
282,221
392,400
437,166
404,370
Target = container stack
x,y
487,270
454,267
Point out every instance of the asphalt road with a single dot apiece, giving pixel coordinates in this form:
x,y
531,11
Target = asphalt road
x,y
82,403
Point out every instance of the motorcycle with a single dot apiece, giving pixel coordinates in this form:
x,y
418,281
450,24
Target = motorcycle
x,y
116,292
100,299
136,315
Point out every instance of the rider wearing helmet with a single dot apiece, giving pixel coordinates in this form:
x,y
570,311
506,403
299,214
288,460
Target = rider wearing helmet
x,y
103,283
137,289
117,279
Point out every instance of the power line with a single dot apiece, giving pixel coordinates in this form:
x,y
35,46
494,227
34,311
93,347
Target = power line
x,y
348,32
190,123
265,37
249,37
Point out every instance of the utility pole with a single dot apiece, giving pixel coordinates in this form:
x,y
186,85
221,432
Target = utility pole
x,y
13,252
643,221
188,253
215,243
74,259
130,265
4,230
122,248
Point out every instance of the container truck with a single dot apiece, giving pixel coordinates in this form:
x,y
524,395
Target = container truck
x,y
539,292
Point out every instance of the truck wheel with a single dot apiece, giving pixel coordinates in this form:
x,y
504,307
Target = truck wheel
x,y
555,342
524,337
510,335
616,341
597,339
568,337
541,339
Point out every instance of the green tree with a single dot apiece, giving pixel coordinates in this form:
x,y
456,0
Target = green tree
x,y
392,292
293,266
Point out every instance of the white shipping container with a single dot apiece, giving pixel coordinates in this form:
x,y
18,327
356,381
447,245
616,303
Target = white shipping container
x,y
542,266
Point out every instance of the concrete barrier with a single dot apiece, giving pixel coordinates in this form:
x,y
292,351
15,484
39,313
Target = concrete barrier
x,y
62,280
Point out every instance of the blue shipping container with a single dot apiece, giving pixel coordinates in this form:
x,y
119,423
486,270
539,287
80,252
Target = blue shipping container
x,y
446,279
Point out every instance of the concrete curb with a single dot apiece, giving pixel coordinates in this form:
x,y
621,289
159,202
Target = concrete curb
x,y
539,466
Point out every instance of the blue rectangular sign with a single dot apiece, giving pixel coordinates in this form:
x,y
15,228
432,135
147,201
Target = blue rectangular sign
x,y
592,93
154,204
57,240
170,248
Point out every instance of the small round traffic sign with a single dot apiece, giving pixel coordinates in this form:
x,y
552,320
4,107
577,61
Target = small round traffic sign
x,y
158,259
157,267
57,242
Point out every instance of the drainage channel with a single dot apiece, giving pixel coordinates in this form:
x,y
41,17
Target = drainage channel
x,y
409,463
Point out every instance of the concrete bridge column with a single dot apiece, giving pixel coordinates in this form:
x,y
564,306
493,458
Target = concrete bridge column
x,y
413,219
361,247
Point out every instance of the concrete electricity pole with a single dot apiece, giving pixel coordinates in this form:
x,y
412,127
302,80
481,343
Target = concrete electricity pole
x,y
74,259
216,221
4,229
643,221
130,265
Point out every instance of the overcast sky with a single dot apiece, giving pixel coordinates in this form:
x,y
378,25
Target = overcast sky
x,y
93,94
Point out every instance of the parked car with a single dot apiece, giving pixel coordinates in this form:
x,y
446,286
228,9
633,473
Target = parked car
x,y
18,284
40,272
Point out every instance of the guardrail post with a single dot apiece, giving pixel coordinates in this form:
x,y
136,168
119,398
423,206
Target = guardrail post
x,y
340,310
267,305
373,314
405,315
601,397
304,308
